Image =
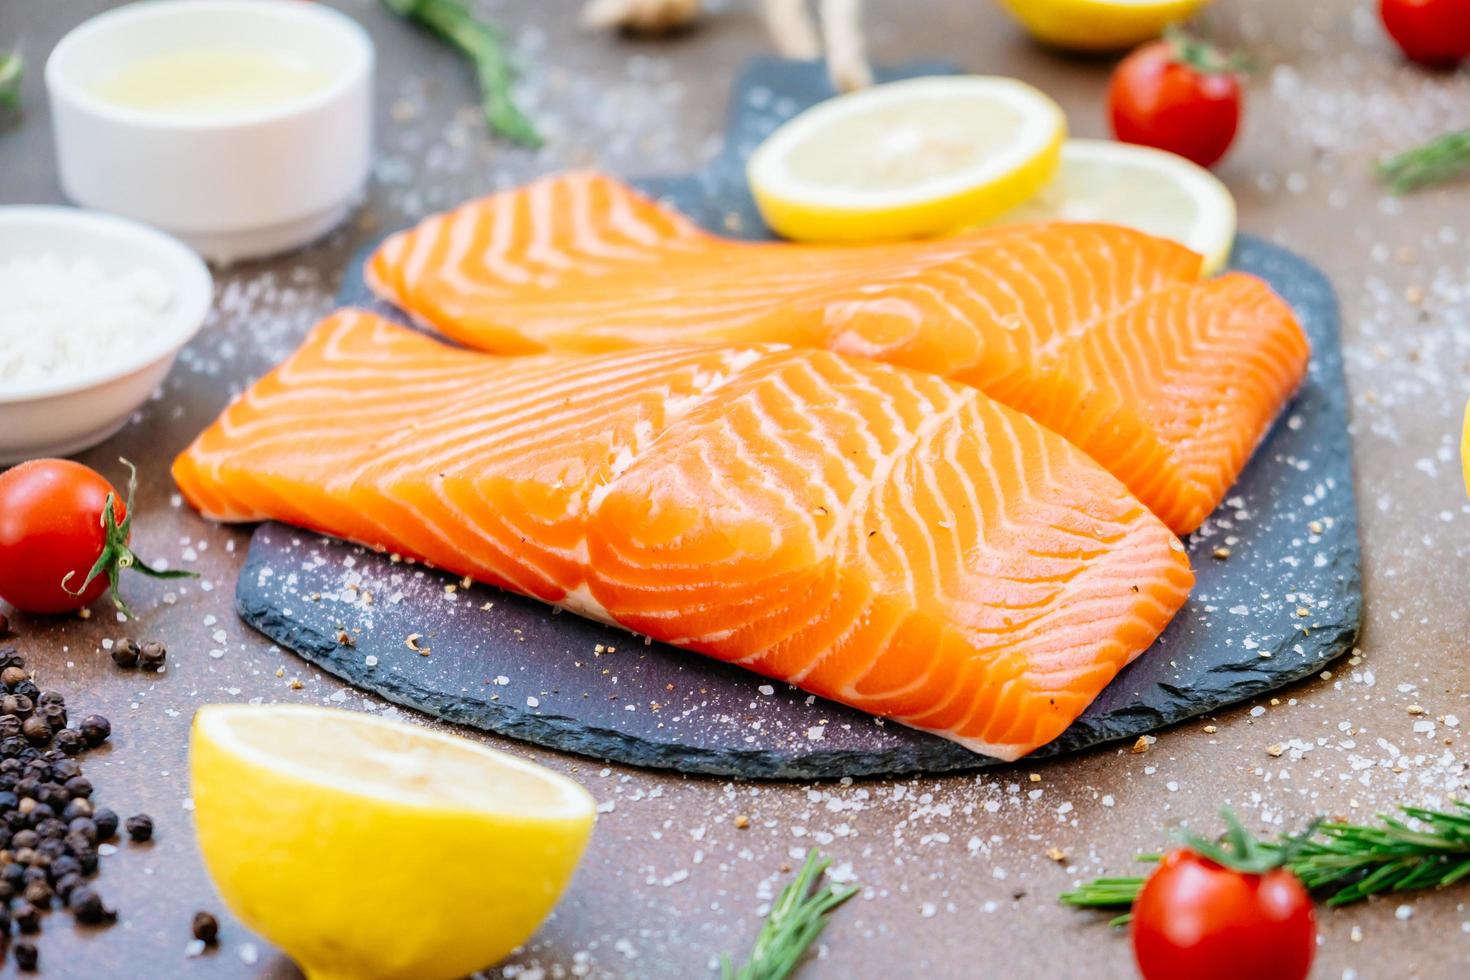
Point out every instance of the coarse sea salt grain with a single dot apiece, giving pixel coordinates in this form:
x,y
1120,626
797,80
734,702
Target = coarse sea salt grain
x,y
67,318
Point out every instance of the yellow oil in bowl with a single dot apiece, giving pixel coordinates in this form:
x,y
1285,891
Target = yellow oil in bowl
x,y
222,81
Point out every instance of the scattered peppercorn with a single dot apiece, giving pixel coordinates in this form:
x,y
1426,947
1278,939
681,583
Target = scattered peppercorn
x,y
27,957
139,827
13,675
152,655
94,728
106,821
125,654
86,906
206,928
27,917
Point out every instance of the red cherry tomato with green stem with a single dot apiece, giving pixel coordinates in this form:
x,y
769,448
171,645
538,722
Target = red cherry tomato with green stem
x,y
1435,33
1224,915
1179,95
63,537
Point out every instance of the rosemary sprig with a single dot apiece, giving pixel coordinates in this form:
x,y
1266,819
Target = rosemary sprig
x,y
1439,159
793,924
484,46
1344,862
10,71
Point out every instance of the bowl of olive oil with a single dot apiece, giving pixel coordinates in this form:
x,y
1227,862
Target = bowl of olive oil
x,y
244,127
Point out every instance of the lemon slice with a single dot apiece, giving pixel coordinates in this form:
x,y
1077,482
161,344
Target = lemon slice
x,y
1140,187
906,159
1098,25
366,848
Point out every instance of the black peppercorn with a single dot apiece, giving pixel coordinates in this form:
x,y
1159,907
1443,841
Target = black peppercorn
x,y
106,821
24,839
10,726
52,847
12,676
87,906
27,917
76,809
81,847
8,800
63,865
95,729
11,747
16,704
152,655
27,957
51,697
69,741
78,786
16,820
139,827
27,690
83,827
15,875
36,730
39,894
68,883
125,653
53,714
206,928
54,796
63,768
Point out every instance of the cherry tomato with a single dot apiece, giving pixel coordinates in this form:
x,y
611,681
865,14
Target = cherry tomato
x,y
51,527
1176,95
1435,33
1197,920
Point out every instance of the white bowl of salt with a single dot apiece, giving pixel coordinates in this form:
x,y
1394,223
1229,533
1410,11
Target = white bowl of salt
x,y
93,311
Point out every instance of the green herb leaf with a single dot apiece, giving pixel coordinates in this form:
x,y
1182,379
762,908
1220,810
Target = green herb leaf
x,y
795,921
1437,160
1342,862
484,46
11,66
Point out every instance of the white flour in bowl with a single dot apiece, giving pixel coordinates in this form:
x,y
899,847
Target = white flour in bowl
x,y
63,318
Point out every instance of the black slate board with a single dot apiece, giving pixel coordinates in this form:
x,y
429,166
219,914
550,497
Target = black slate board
x,y
1286,602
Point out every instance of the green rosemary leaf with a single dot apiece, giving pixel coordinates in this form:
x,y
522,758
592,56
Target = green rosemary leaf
x,y
1342,862
484,46
796,919
1439,159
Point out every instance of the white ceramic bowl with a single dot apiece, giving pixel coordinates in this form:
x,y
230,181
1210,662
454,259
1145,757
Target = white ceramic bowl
x,y
233,185
65,416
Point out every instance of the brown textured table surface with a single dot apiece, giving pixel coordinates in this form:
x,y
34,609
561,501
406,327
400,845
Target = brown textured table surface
x,y
958,882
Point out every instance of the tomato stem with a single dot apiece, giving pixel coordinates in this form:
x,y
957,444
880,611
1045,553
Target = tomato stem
x,y
1202,56
116,555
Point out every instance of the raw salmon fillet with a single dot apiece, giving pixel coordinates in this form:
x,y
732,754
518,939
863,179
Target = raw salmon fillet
x,y
878,536
1102,333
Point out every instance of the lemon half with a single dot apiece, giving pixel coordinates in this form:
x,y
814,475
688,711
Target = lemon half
x,y
907,159
366,848
1098,25
1139,187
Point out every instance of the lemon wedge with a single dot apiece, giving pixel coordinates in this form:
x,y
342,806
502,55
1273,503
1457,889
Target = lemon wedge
x,y
1098,25
1465,449
1139,187
366,848
907,159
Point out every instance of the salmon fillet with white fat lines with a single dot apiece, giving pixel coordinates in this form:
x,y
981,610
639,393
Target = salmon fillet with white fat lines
x,y
1104,334
878,536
